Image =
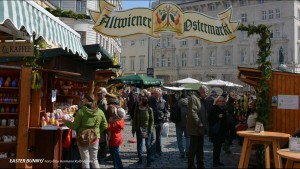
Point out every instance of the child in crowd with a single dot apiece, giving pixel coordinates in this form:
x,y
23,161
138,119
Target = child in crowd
x,y
115,127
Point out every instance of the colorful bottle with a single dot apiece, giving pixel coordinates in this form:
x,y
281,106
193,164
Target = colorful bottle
x,y
44,123
52,119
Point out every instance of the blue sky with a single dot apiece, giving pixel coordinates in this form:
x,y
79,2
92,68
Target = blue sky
x,y
128,4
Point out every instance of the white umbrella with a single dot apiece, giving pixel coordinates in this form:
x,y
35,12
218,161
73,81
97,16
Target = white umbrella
x,y
186,80
216,82
230,84
176,88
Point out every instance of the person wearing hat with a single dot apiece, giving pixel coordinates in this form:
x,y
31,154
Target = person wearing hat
x,y
115,128
102,104
88,116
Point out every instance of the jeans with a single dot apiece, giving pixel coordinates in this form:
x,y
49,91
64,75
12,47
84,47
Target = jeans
x,y
157,149
196,149
179,135
89,155
139,146
115,154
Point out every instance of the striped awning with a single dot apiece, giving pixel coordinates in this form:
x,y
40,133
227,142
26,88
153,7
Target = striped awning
x,y
35,19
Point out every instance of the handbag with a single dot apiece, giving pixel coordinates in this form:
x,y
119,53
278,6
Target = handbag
x,y
68,139
144,132
87,136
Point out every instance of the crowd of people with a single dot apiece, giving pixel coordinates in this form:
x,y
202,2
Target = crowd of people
x,y
198,114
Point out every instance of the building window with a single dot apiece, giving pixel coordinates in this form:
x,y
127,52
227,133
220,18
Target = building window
x,y
227,57
227,4
183,60
271,14
169,62
277,13
298,13
243,56
212,7
197,60
157,62
260,1
132,63
212,58
243,17
244,35
243,2
298,33
123,62
197,42
132,43
107,45
168,42
142,42
277,32
142,63
184,43
79,6
264,15
83,37
163,61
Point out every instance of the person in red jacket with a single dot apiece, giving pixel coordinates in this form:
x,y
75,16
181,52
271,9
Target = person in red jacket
x,y
115,128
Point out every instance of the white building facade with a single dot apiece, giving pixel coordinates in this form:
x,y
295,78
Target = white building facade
x,y
85,26
174,59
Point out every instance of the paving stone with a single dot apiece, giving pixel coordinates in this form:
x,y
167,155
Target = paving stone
x,y
170,157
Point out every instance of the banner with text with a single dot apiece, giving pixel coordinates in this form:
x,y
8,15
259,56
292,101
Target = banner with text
x,y
165,17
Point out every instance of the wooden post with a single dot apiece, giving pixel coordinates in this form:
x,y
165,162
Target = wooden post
x,y
24,113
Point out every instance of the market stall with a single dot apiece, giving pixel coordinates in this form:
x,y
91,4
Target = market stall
x,y
284,97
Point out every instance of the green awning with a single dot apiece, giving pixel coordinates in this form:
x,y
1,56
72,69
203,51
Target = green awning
x,y
36,20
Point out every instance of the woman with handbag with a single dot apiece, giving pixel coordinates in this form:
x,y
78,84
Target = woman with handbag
x,y
89,116
143,125
217,128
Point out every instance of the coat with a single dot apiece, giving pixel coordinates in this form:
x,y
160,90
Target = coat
x,y
183,106
197,116
85,118
214,117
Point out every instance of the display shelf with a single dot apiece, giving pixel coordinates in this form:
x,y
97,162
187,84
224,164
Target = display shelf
x,y
9,113
9,88
12,142
8,127
9,103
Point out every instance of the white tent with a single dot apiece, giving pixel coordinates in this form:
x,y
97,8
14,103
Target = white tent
x,y
188,80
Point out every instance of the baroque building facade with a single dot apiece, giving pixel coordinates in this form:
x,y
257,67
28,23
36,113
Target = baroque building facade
x,y
85,26
174,59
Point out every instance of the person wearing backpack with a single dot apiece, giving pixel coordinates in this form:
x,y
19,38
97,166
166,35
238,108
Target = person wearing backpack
x,y
181,126
89,116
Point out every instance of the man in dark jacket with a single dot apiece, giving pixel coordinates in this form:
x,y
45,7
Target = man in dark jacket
x,y
161,115
197,125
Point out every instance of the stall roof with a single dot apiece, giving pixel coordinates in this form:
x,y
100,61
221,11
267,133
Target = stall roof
x,y
39,22
92,61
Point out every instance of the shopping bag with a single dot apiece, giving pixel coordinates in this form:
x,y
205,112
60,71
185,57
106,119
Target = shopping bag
x,y
68,139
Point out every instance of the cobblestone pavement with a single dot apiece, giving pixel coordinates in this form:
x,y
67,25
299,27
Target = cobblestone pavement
x,y
170,157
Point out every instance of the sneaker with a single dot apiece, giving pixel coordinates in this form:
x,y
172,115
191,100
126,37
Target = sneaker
x,y
109,158
181,155
187,154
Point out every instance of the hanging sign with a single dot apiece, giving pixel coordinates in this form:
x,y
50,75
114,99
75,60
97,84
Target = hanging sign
x,y
16,49
165,17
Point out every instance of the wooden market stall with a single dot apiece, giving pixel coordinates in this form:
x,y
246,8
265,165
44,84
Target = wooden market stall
x,y
285,115
70,77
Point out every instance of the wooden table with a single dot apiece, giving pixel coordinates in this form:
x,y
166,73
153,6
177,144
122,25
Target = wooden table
x,y
291,156
266,138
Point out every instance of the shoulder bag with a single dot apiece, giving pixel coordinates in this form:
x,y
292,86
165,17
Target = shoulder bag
x,y
87,136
